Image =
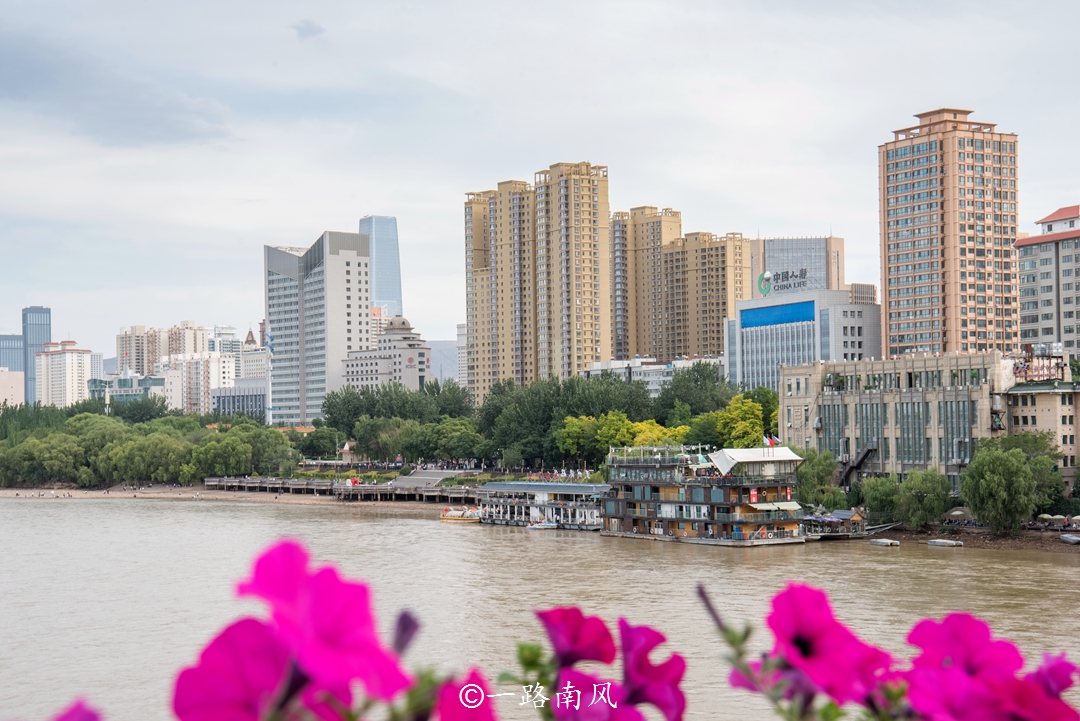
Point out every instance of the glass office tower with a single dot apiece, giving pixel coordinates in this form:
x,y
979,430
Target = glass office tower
x,y
37,331
385,261
12,355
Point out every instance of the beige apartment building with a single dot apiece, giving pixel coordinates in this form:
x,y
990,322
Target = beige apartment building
x,y
948,194
538,276
672,292
138,348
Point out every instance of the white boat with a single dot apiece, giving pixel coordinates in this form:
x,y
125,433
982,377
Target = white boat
x,y
1070,539
943,542
542,526
461,515
883,542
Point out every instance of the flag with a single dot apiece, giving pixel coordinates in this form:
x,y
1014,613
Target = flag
x,y
765,441
774,439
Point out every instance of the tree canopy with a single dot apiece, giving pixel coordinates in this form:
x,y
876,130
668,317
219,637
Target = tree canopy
x,y
999,488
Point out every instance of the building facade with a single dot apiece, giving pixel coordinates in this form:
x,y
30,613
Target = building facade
x,y
37,331
914,411
1049,273
799,328
462,355
399,356
795,265
382,235
654,374
126,386
12,354
538,276
1044,399
317,310
246,395
62,372
138,348
12,387
948,205
190,379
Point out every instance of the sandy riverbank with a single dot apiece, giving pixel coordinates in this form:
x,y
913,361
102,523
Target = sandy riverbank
x,y
1029,541
198,494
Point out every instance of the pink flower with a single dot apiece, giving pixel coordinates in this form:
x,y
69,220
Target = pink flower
x,y
949,694
1055,674
327,704
1023,700
811,640
646,683
456,697
962,641
577,637
585,697
327,622
78,711
238,677
795,682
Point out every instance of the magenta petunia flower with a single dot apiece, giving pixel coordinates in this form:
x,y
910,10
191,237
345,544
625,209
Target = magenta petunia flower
x,y
586,697
646,683
949,694
1023,700
1055,674
78,711
465,700
327,622
795,682
962,641
239,676
812,641
577,637
327,704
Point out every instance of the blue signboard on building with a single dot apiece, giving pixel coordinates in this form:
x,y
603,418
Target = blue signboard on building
x,y
777,314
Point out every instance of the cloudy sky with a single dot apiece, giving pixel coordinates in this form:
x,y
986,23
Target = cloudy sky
x,y
148,150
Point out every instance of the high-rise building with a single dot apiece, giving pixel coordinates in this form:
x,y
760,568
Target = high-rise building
x,y
138,348
186,338
797,264
13,356
97,366
37,331
11,386
317,310
948,204
538,276
1049,272
672,292
189,378
462,374
385,262
62,373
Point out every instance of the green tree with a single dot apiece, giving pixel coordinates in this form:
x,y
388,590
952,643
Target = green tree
x,y
769,401
321,443
576,437
814,476
881,494
740,424
450,399
680,415
998,488
923,498
833,497
342,408
614,429
1043,454
222,455
140,410
700,386
705,430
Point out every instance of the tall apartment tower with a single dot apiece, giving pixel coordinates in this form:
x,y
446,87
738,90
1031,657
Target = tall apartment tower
x,y
37,331
538,276
672,292
138,348
318,305
948,189
385,262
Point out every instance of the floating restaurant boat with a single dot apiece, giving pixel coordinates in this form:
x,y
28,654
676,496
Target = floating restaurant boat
x,y
883,542
460,515
1070,539
543,504
943,542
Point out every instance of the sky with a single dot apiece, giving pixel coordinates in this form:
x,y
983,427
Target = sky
x,y
149,150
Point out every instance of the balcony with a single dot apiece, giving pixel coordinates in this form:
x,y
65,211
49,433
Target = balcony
x,y
764,517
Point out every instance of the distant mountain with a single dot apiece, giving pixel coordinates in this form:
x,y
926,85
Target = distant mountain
x,y
443,359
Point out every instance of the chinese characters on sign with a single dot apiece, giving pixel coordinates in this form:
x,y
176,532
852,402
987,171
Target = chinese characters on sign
x,y
785,280
570,697
471,696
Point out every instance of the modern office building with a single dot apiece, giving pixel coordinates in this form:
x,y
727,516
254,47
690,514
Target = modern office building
x,y
127,386
62,373
400,356
654,374
538,276
254,362
317,310
12,386
246,395
97,365
794,265
1049,273
799,328
671,292
36,331
913,411
13,355
948,204
385,262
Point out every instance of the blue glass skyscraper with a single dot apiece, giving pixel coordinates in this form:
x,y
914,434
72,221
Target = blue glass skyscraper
x,y
37,331
385,261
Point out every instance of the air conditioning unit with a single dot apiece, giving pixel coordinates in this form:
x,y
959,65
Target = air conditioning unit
x,y
844,457
789,425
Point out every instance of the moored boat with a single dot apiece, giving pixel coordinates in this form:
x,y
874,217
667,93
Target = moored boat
x,y
460,515
943,542
1070,539
542,526
883,542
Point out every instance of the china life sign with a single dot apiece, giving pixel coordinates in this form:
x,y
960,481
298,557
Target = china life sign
x,y
783,281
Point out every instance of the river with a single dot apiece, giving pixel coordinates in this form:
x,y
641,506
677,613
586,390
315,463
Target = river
x,y
108,598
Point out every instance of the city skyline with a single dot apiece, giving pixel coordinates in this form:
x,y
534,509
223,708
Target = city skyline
x,y
183,163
